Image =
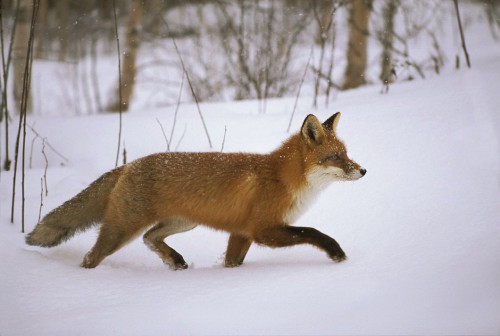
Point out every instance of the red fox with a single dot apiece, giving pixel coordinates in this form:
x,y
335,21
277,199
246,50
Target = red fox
x,y
254,197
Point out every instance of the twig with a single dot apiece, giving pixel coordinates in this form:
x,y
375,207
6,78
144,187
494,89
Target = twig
x,y
298,91
41,200
223,139
31,150
46,168
328,80
14,178
32,128
26,91
190,84
23,180
176,111
164,135
462,38
119,85
124,154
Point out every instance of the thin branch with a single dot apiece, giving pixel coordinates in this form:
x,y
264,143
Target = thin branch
x,y
176,111
32,128
22,118
26,91
164,135
32,144
31,150
189,82
41,200
46,168
124,155
462,38
14,179
298,91
328,80
119,85
223,139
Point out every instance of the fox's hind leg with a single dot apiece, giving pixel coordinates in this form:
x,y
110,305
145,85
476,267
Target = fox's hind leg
x,y
108,242
154,239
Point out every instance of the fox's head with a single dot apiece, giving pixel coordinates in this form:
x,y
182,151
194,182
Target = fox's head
x,y
326,156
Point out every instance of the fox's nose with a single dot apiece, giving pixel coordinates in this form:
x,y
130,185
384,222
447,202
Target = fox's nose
x,y
362,171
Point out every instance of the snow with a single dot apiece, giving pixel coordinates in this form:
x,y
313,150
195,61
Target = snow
x,y
421,229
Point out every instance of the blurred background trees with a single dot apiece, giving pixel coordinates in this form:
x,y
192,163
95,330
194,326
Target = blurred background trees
x,y
241,49
357,45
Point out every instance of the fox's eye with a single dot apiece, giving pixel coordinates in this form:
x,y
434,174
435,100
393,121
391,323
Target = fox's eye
x,y
335,157
331,158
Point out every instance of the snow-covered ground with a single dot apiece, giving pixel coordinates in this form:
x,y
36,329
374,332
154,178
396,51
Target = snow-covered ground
x,y
421,229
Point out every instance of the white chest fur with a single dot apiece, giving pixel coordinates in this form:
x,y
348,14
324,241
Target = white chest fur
x,y
317,181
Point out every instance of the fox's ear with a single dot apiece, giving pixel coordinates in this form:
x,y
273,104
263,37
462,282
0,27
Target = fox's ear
x,y
331,123
312,132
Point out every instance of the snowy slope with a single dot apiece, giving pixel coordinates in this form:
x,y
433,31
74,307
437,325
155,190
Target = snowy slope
x,y
421,229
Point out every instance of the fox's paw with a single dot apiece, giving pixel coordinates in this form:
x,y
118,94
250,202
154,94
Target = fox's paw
x,y
232,263
339,257
176,262
334,251
89,261
337,254
178,266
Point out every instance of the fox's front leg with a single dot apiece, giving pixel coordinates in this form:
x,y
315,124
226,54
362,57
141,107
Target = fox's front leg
x,y
283,236
237,249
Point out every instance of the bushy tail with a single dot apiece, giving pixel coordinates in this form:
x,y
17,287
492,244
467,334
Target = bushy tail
x,y
78,214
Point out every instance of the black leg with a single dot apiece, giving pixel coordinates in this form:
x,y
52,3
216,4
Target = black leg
x,y
283,236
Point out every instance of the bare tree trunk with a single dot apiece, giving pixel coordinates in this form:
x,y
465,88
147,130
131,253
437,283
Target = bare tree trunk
x,y
20,51
6,61
132,43
324,19
492,11
155,9
359,19
93,73
42,28
63,13
330,66
387,37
